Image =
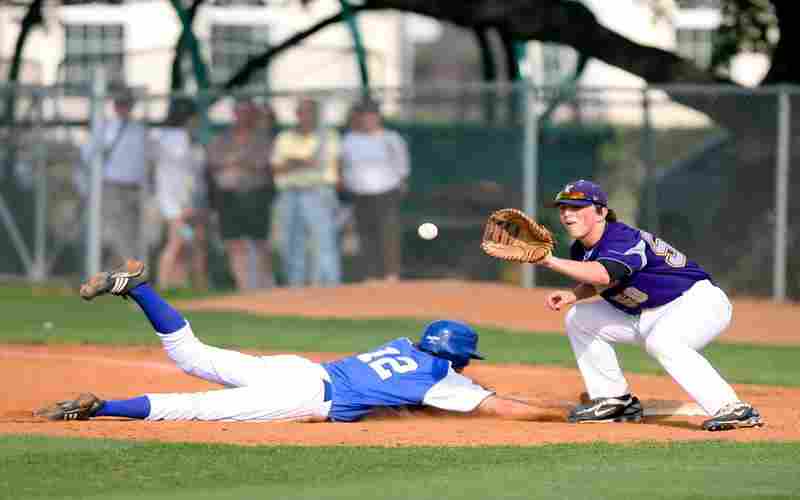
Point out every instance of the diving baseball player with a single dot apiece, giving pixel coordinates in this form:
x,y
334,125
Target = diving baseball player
x,y
653,296
287,387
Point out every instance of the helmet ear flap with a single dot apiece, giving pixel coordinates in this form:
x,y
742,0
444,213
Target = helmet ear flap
x,y
457,365
451,340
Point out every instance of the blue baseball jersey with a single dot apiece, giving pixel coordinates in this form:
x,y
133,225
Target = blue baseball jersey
x,y
657,272
398,374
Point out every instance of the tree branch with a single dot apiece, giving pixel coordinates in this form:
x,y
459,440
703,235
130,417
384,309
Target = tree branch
x,y
33,17
180,48
256,63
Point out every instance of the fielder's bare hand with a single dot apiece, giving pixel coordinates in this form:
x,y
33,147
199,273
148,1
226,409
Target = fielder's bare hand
x,y
560,299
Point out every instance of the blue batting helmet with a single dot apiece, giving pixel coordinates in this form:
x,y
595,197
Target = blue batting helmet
x,y
451,340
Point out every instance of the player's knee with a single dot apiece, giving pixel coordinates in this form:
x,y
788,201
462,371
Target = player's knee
x,y
659,346
187,356
572,320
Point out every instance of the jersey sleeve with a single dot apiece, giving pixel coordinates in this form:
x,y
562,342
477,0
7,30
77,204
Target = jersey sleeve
x,y
627,250
456,392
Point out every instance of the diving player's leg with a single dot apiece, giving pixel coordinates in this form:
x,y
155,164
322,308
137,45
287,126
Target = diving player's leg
x,y
289,388
222,366
292,389
294,395
240,403
138,407
592,327
87,406
297,395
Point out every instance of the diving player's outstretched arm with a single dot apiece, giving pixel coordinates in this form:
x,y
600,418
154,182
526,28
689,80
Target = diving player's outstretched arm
x,y
511,409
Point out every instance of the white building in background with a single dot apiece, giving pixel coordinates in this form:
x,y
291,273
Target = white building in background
x,y
135,41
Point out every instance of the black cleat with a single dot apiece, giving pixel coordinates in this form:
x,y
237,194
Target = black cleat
x,y
625,408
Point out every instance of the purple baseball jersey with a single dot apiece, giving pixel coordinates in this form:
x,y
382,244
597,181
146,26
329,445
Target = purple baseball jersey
x,y
657,272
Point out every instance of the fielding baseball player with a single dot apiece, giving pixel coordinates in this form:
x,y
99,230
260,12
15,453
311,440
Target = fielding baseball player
x,y
654,297
287,387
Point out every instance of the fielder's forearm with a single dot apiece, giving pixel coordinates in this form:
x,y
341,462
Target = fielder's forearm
x,y
592,273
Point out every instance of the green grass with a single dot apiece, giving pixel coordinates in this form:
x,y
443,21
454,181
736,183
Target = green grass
x,y
34,467
38,467
121,322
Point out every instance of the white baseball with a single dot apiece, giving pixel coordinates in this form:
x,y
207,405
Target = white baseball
x,y
427,231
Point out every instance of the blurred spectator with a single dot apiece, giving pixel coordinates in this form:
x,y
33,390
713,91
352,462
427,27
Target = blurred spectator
x,y
243,192
305,162
123,143
265,118
181,193
350,243
375,169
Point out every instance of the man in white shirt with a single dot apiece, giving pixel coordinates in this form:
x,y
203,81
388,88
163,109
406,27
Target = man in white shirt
x,y
375,170
124,145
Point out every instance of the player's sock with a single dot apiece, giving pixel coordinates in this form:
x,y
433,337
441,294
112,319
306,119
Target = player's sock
x,y
131,408
162,316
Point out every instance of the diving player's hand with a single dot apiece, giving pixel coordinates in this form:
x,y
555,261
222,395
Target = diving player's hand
x,y
560,299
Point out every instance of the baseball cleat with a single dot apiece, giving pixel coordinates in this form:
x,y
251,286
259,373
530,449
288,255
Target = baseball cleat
x,y
734,416
625,408
82,408
119,281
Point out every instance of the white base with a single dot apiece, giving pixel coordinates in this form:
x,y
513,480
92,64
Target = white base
x,y
672,408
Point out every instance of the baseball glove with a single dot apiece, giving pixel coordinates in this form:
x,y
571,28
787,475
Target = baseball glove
x,y
509,234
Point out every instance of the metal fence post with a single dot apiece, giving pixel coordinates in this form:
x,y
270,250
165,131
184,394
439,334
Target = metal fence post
x,y
530,151
781,197
39,269
530,169
648,158
98,159
147,188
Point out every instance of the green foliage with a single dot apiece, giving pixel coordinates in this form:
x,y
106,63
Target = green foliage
x,y
747,26
38,467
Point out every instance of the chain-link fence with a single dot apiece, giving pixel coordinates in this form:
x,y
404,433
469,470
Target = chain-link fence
x,y
705,168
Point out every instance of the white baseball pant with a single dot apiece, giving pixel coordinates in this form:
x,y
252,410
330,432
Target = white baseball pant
x,y
672,334
260,388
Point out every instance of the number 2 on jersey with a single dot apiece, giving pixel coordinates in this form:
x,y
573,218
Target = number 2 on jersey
x,y
672,257
386,363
